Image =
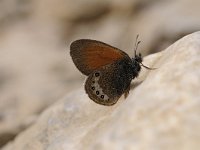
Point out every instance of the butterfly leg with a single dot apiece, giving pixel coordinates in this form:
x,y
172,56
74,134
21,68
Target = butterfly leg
x,y
126,92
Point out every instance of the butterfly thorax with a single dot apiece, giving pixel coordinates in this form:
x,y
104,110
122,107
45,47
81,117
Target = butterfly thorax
x,y
136,67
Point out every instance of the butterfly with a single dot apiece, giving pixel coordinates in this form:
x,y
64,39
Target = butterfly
x,y
109,69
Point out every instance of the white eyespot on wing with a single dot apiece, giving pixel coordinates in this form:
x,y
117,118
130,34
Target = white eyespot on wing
x,y
104,97
97,90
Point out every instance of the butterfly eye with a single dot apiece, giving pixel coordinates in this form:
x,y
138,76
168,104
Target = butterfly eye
x,y
97,74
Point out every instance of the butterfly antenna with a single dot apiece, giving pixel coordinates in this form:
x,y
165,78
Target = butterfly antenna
x,y
147,67
136,47
136,44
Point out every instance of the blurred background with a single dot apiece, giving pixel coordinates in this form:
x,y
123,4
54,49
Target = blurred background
x,y
35,66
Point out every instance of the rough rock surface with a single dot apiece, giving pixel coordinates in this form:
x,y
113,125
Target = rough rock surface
x,y
161,113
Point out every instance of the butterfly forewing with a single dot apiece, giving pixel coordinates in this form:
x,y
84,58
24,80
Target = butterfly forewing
x,y
89,55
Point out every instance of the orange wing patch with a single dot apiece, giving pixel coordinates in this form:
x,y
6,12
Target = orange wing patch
x,y
97,56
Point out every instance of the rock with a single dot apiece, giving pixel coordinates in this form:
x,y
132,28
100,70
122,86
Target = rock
x,y
33,74
161,113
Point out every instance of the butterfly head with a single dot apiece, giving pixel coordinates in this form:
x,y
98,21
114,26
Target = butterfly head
x,y
137,60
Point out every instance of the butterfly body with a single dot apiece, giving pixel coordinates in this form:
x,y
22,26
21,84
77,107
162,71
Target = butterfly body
x,y
109,70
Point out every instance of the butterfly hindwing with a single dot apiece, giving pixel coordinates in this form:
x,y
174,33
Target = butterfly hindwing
x,y
89,55
106,85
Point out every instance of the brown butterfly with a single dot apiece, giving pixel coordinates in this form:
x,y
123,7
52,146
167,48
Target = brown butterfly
x,y
109,69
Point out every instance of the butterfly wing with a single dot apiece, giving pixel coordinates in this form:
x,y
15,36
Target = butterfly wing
x,y
106,85
89,55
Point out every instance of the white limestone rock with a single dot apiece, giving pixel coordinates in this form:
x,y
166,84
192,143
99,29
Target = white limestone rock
x,y
161,113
